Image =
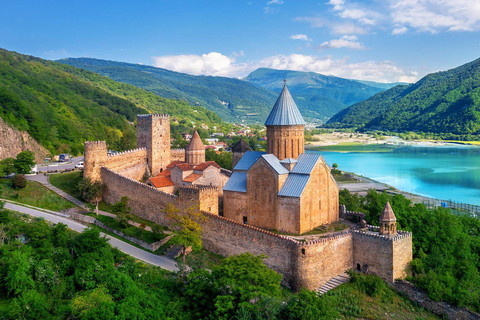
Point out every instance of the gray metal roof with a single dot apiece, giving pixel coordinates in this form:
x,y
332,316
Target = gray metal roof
x,y
289,160
285,111
275,163
237,182
306,163
248,159
294,185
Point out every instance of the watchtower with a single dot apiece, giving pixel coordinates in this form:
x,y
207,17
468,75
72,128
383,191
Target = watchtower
x,y
153,133
195,151
388,221
285,128
95,157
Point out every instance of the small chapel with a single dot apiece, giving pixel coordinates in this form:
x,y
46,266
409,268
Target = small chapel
x,y
284,189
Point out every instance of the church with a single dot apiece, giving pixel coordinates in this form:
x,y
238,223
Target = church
x,y
284,189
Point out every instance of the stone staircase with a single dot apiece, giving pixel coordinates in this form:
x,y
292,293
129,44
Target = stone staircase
x,y
333,283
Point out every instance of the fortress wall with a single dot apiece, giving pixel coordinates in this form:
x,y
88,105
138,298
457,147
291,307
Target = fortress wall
x,y
402,254
324,259
136,172
177,154
127,159
146,201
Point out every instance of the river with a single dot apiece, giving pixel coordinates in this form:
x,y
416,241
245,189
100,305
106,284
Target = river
x,y
442,172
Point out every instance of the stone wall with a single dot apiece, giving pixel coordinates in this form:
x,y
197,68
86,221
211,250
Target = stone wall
x,y
136,172
177,154
285,141
126,160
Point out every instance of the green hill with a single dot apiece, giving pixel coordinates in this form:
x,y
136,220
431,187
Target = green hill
x,y
231,99
62,106
317,96
442,102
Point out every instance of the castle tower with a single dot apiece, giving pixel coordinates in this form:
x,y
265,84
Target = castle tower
x,y
239,150
153,133
285,128
388,221
95,157
195,151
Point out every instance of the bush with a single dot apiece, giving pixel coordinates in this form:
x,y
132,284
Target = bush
x,y
19,181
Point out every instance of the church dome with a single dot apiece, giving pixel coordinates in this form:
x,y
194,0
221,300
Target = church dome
x,y
195,143
285,111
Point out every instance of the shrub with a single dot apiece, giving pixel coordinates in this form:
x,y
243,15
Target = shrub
x,y
19,181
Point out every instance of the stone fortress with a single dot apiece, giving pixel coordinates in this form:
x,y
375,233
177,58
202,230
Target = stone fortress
x,y
284,190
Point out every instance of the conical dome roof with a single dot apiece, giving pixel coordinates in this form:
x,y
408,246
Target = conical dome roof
x,y
195,143
285,111
388,214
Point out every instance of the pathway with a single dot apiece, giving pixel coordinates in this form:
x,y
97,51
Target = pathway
x,y
135,252
333,283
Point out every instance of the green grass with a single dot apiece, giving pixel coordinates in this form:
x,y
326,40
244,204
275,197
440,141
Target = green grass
x,y
34,194
103,206
202,260
132,231
368,297
355,147
67,182
344,177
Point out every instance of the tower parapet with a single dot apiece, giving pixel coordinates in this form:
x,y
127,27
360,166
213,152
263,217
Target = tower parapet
x,y
153,133
95,157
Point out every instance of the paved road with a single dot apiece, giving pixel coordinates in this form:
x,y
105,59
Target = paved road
x,y
60,165
135,252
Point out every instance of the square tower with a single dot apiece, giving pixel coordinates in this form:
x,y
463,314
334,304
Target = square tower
x,y
153,133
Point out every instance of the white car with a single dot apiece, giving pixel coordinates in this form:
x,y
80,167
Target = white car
x,y
79,165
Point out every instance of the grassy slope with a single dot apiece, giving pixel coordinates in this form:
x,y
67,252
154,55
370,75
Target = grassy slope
x,y
34,194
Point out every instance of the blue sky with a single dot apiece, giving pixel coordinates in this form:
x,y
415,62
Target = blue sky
x,y
384,40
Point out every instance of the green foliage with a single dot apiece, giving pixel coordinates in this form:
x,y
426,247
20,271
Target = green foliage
x,y
444,103
446,247
62,106
240,98
19,181
223,159
122,210
91,190
6,166
24,162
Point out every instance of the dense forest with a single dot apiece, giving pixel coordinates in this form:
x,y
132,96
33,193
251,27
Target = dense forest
x,y
62,106
317,96
443,103
231,99
446,247
59,274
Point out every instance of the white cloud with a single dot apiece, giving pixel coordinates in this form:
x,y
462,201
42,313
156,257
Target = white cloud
x,y
274,2
400,30
238,54
315,22
347,28
220,65
354,11
437,15
303,37
344,42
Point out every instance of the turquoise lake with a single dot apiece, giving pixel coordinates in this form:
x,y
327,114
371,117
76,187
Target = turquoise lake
x,y
442,172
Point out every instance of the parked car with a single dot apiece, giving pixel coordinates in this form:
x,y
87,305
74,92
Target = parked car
x,y
63,157
79,165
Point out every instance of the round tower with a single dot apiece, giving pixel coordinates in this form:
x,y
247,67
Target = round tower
x,y
195,151
285,128
388,221
95,157
238,150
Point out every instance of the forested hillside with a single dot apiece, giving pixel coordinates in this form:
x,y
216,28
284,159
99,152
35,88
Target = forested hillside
x,y
317,96
231,99
62,106
442,102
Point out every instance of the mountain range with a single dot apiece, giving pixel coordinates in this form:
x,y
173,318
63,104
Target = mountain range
x,y
441,102
61,106
318,97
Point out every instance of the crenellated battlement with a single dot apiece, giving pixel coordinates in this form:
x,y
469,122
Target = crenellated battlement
x,y
95,143
154,115
126,152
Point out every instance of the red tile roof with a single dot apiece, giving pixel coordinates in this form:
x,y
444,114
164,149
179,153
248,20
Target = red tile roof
x,y
174,163
192,177
161,181
206,164
183,166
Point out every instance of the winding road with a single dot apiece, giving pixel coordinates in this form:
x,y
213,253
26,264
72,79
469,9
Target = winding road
x,y
135,252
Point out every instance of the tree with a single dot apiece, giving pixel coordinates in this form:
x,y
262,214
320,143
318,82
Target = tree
x,y
122,210
24,162
6,166
91,191
186,227
19,181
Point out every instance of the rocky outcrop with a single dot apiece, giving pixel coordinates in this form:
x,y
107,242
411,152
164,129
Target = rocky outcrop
x,y
13,141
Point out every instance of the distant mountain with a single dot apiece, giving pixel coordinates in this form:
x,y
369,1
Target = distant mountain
x,y
442,102
61,106
317,96
231,99
384,86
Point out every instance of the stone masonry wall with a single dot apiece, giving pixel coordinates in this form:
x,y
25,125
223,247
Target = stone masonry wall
x,y
177,154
